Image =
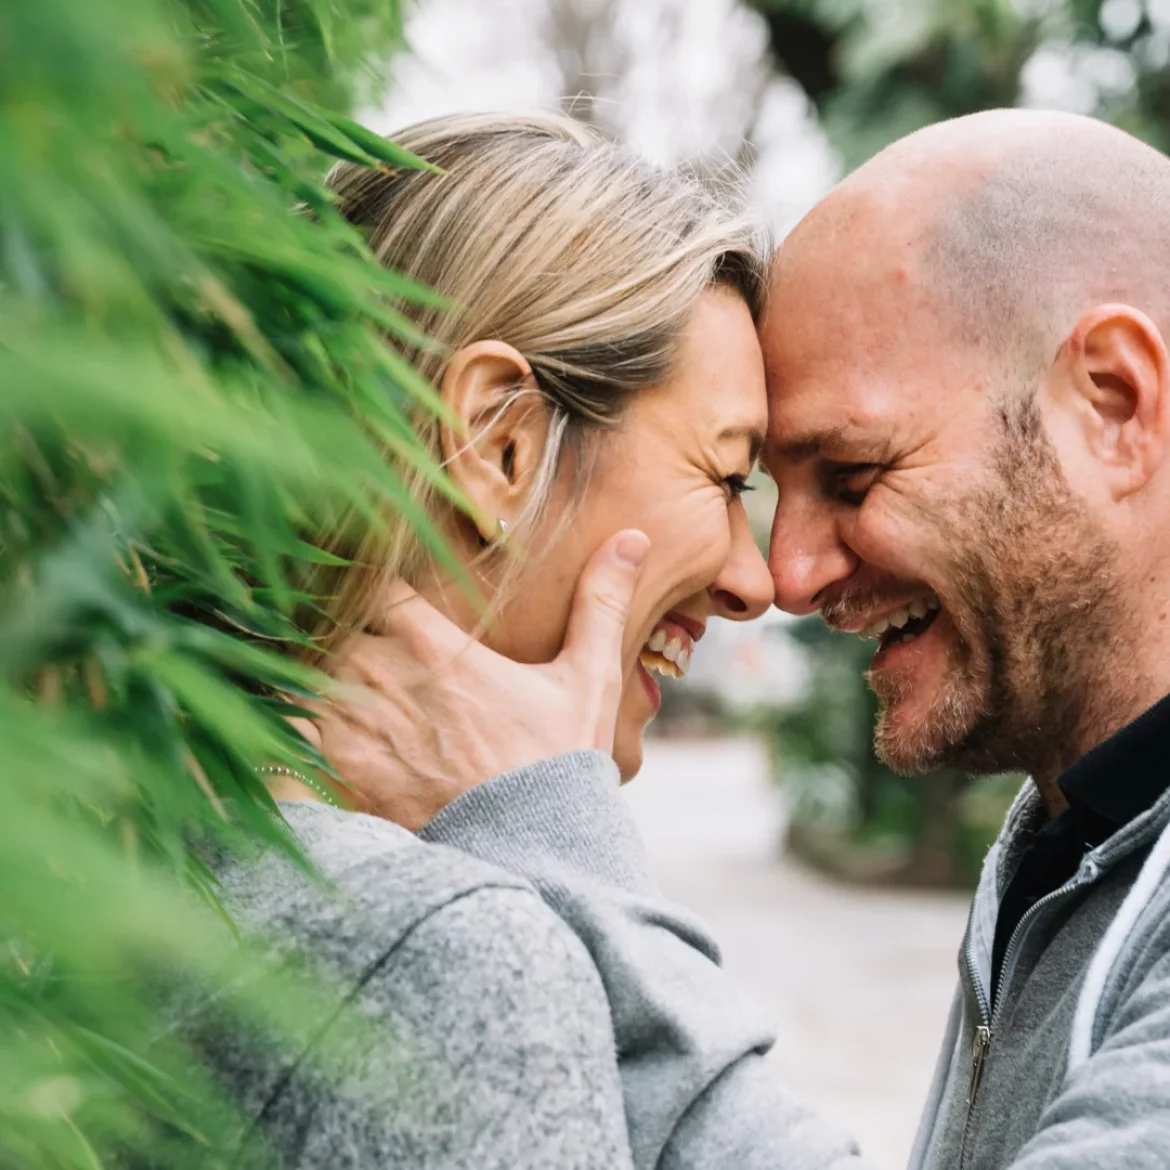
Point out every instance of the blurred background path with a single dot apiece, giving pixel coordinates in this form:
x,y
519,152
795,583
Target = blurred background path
x,y
858,981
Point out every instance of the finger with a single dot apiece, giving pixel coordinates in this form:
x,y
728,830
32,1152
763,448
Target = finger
x,y
593,641
427,636
358,701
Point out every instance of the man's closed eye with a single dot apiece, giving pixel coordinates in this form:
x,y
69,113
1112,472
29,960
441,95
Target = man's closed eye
x,y
849,482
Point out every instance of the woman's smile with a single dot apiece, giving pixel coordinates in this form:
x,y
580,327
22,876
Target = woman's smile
x,y
669,648
651,687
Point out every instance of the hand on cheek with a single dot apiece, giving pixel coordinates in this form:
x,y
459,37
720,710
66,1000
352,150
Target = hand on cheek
x,y
421,713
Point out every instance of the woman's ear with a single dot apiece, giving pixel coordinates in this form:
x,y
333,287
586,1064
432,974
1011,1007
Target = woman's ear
x,y
494,455
1113,381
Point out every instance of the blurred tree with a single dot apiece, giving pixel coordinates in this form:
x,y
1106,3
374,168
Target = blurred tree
x,y
591,55
196,368
599,48
1123,46
877,70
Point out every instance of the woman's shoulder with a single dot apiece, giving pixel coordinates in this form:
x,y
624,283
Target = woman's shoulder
x,y
373,882
473,1023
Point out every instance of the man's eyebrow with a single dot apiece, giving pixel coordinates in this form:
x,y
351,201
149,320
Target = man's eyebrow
x,y
802,448
754,435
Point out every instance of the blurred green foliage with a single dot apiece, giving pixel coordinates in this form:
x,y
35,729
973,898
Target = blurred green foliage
x,y
878,69
196,369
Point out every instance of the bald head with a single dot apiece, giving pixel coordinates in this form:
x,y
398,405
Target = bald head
x,y
1014,221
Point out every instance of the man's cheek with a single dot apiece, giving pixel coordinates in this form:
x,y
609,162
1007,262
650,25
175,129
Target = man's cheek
x,y
883,539
910,542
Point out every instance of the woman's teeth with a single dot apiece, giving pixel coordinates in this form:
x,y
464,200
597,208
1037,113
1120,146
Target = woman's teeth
x,y
667,653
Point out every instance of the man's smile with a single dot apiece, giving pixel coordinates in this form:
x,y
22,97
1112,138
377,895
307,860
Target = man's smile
x,y
903,624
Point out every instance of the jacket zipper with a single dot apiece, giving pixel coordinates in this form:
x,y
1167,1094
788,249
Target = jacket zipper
x,y
979,1048
989,1013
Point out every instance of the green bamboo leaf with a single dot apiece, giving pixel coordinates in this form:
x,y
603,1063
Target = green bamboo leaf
x,y
318,556
382,148
196,355
312,123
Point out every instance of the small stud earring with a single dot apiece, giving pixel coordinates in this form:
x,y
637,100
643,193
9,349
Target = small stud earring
x,y
504,528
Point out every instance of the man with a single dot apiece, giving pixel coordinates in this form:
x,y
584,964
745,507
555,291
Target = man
x,y
969,416
970,408
1001,342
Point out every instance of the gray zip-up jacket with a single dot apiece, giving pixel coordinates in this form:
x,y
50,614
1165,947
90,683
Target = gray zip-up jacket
x,y
1072,1066
1077,1072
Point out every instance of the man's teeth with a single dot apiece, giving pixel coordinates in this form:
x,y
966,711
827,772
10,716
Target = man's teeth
x,y
918,608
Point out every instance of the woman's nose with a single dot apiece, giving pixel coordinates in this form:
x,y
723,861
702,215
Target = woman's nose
x,y
743,590
804,559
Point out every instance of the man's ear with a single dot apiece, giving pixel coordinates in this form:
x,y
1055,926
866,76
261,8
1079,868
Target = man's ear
x,y
1113,380
496,451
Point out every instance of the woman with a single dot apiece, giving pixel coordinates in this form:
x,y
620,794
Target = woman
x,y
598,368
599,364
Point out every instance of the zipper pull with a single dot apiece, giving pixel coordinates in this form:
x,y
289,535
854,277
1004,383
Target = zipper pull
x,y
979,1047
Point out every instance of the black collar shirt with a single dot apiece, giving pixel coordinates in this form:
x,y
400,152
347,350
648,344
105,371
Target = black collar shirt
x,y
1106,789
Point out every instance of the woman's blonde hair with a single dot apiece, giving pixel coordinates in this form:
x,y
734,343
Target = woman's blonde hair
x,y
580,254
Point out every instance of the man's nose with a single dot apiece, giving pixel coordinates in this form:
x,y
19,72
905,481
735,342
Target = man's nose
x,y
805,558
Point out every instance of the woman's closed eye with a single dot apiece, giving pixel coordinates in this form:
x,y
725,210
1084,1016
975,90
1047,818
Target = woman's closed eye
x,y
849,482
736,485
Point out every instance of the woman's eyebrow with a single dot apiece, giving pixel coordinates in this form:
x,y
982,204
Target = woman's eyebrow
x,y
753,434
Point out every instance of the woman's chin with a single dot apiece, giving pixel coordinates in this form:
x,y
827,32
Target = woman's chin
x,y
627,752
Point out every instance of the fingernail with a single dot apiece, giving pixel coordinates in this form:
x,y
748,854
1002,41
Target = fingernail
x,y
631,548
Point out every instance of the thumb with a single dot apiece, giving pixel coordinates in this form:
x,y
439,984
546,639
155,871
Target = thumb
x,y
592,650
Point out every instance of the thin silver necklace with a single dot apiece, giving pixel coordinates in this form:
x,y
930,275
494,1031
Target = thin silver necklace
x,y
311,784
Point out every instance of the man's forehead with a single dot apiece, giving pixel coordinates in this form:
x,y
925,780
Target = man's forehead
x,y
820,396
845,390
832,415
849,283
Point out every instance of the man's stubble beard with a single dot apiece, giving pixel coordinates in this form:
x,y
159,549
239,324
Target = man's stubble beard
x,y
1040,622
